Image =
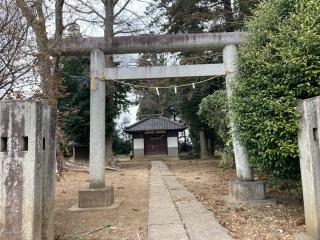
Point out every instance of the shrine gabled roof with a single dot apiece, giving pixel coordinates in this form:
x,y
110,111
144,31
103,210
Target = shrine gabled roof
x,y
155,122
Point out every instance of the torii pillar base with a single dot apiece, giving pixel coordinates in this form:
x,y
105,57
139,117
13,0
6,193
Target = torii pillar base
x,y
303,236
96,198
248,193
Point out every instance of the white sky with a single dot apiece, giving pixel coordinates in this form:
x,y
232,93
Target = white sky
x,y
131,114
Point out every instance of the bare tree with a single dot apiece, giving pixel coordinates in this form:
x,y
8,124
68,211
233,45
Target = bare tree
x,y
39,14
15,61
47,67
112,17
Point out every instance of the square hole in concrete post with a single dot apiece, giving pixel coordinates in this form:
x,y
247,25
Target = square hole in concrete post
x,y
43,144
4,144
24,143
315,134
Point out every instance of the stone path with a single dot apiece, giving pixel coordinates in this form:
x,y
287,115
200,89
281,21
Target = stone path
x,y
174,212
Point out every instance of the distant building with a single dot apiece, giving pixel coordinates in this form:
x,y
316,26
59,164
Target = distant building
x,y
80,153
155,136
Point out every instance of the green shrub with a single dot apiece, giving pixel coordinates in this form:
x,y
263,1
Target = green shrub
x,y
213,110
278,64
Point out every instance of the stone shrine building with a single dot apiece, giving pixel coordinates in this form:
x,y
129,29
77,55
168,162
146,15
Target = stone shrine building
x,y
155,137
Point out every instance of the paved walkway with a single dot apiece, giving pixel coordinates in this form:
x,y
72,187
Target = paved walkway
x,y
174,212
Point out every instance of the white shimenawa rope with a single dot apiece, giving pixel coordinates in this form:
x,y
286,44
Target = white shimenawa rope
x,y
160,87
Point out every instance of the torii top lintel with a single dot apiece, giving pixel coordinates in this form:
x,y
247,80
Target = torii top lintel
x,y
150,43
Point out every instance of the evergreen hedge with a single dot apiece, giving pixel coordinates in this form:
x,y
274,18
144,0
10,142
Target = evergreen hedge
x,y
279,63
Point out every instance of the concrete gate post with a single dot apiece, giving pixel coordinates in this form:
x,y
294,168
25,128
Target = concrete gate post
x,y
27,170
49,170
98,194
244,189
308,139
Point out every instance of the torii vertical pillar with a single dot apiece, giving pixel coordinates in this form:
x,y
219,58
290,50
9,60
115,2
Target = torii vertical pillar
x,y
244,189
98,194
309,152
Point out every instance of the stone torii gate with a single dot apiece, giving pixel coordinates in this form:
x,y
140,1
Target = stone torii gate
x,y
244,189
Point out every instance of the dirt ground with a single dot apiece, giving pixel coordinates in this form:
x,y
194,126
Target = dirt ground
x,y
128,222
209,183
204,178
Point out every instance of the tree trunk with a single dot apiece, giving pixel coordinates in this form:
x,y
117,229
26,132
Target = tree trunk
x,y
185,137
110,160
203,145
47,66
209,146
212,147
108,34
228,16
